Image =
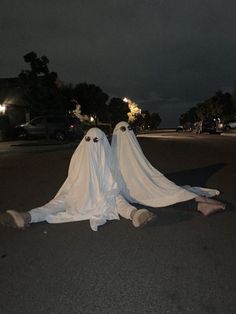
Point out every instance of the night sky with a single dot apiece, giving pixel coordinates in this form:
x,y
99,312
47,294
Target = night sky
x,y
166,55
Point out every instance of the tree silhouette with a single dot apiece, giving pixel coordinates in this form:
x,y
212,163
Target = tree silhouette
x,y
92,100
39,86
118,110
220,105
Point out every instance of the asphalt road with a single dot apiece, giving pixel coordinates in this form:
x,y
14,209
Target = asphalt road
x,y
183,263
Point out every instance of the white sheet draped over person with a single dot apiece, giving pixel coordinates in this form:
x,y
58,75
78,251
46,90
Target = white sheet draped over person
x,y
89,192
140,182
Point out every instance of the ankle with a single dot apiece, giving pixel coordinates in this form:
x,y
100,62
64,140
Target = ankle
x,y
133,213
27,218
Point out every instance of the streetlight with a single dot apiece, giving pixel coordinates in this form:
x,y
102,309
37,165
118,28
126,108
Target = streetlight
x,y
2,109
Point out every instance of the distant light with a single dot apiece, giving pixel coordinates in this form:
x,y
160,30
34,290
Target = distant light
x,y
91,119
2,109
125,99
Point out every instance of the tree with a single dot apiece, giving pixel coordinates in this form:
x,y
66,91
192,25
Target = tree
x,y
234,100
137,122
69,97
39,86
38,65
155,120
189,116
92,100
220,105
118,111
146,122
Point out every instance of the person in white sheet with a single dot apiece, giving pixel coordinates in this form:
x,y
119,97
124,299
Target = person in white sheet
x,y
139,182
89,192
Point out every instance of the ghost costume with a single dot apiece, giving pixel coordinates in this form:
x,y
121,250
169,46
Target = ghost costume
x,y
138,181
89,192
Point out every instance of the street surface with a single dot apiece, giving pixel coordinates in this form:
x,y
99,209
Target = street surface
x,y
183,263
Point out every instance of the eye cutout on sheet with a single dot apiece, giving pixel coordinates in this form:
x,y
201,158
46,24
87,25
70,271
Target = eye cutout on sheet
x,y
123,128
88,139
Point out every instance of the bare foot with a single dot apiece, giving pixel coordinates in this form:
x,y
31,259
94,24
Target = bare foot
x,y
207,209
204,199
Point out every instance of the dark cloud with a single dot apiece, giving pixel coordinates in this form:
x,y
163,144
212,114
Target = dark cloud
x,y
166,55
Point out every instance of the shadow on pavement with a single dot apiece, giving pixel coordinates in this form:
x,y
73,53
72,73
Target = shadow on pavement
x,y
195,177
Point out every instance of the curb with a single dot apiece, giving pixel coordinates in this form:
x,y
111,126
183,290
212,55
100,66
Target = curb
x,y
19,147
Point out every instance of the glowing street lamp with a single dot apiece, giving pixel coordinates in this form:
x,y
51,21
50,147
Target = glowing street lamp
x,y
2,109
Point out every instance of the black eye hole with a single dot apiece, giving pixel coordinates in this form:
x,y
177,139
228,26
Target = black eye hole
x,y
87,138
95,139
123,128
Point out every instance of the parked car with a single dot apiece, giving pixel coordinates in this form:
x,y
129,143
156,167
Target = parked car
x,y
212,125
58,127
179,128
230,125
187,127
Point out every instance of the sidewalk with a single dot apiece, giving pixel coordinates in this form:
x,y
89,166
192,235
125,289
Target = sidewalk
x,y
35,145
